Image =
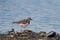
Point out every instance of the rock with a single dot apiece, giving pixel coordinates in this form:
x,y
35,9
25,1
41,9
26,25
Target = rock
x,y
30,35
27,31
42,34
51,34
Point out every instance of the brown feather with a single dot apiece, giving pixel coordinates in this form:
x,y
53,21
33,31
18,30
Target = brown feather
x,y
24,21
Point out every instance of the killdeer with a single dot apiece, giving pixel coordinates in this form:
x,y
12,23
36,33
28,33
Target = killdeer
x,y
23,22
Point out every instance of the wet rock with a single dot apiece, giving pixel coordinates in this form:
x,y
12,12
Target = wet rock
x,y
51,34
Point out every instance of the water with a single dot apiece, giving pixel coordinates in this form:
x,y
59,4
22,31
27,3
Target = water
x,y
45,14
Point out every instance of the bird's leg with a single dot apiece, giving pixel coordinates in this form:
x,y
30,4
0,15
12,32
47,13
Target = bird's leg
x,y
21,28
24,27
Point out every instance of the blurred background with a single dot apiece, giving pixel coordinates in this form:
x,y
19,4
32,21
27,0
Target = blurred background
x,y
45,15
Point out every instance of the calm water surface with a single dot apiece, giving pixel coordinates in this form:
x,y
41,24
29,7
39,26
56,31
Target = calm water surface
x,y
45,14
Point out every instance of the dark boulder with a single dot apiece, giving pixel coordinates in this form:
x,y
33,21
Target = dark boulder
x,y
51,34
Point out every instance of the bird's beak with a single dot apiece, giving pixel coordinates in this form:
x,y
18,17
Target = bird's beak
x,y
31,19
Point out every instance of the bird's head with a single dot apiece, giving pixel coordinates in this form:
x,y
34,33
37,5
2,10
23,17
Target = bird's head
x,y
29,18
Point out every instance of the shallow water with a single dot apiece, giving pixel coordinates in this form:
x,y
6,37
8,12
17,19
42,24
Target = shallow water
x,y
45,14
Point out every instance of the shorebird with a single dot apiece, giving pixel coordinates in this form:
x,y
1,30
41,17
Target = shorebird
x,y
23,22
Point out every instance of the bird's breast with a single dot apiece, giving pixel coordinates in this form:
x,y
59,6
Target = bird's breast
x,y
23,24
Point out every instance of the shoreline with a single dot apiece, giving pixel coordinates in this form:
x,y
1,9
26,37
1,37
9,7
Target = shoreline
x,y
30,35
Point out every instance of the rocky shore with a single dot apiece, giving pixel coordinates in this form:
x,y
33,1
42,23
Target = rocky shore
x,y
30,35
